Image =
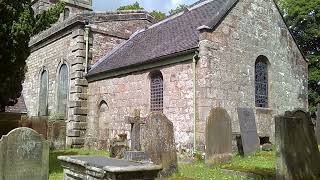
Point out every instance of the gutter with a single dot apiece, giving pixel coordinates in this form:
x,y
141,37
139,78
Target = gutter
x,y
194,78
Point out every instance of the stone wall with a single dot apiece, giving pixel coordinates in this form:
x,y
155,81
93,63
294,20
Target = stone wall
x,y
226,67
125,93
64,43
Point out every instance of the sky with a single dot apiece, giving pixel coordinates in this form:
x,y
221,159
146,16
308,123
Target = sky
x,y
149,5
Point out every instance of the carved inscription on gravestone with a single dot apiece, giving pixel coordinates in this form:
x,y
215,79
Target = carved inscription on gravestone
x,y
159,144
248,130
218,137
24,154
297,153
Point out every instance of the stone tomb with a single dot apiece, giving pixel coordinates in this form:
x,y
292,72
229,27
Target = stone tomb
x,y
159,144
97,168
24,154
249,141
218,137
297,151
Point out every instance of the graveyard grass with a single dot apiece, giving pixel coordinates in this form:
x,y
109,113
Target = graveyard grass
x,y
261,163
56,171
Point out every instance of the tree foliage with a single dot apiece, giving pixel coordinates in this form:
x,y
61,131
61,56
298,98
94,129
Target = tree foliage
x,y
134,6
178,9
303,19
158,15
17,25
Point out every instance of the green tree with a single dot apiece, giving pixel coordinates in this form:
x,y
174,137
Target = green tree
x,y
178,9
158,15
303,19
135,6
17,25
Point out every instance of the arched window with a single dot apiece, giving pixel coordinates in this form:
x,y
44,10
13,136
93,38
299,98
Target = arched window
x,y
104,126
66,13
63,90
156,87
43,94
261,82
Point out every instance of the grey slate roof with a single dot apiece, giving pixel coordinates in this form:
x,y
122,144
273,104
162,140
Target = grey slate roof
x,y
175,34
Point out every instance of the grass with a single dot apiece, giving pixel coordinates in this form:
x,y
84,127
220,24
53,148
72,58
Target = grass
x,y
56,171
199,170
262,163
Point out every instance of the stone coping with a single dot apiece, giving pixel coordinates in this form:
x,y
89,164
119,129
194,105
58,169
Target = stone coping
x,y
100,163
91,18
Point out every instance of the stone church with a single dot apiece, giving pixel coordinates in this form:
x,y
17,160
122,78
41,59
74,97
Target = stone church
x,y
92,69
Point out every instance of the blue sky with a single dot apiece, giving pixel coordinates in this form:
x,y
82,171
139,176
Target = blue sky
x,y
162,5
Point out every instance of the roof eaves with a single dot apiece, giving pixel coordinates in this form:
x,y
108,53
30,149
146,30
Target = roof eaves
x,y
126,69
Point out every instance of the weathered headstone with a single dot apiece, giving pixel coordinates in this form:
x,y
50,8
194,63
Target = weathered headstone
x,y
135,122
24,154
250,142
317,127
118,146
159,144
297,151
218,137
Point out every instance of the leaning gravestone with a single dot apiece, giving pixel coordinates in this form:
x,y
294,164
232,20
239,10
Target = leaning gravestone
x,y
250,142
24,154
159,144
297,151
218,137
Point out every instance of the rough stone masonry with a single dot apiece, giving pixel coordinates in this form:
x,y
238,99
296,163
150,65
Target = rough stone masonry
x,y
203,66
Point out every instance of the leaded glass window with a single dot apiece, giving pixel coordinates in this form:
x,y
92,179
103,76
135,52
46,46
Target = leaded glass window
x,y
63,90
156,92
43,94
261,82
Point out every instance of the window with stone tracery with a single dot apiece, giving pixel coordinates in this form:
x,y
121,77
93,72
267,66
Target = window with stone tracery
x,y
261,82
156,87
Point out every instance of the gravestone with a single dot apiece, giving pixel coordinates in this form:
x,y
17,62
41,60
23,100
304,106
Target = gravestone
x,y
317,127
159,144
250,142
218,137
135,153
297,151
24,154
135,122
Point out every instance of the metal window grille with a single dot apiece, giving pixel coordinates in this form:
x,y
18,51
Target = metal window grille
x,y
156,93
261,84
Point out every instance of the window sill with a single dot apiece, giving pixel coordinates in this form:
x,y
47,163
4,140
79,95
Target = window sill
x,y
264,110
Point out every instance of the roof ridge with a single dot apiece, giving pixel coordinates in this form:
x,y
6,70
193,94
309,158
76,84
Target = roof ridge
x,y
196,5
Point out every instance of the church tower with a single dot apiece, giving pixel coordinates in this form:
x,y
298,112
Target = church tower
x,y
72,7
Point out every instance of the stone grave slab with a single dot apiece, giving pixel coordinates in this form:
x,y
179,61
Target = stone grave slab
x,y
98,167
297,153
218,137
159,143
24,154
250,142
